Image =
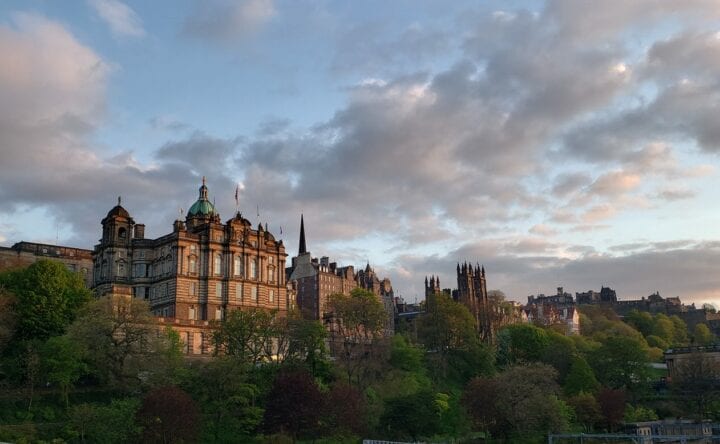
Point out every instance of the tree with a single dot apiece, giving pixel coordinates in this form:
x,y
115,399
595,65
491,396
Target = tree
x,y
110,424
622,363
680,331
696,380
307,344
559,352
47,298
357,335
62,363
702,335
520,402
249,335
664,328
642,321
294,405
120,340
168,415
612,406
522,343
412,416
587,410
580,378
8,319
346,411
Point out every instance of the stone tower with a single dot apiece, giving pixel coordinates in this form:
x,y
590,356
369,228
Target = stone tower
x,y
472,292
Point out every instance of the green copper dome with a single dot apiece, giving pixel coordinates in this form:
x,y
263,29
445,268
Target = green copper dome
x,y
202,207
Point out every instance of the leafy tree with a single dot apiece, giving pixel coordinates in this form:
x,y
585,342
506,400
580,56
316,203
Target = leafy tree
x,y
8,319
559,353
523,343
346,411
622,363
702,335
307,344
168,415
229,404
642,321
294,405
520,402
405,356
357,335
680,331
612,406
696,380
447,330
120,340
664,328
580,378
639,414
248,335
62,363
412,417
587,410
109,424
657,341
47,298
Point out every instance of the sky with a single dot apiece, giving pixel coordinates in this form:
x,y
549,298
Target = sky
x,y
567,143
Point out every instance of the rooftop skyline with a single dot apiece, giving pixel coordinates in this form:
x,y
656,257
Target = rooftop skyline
x,y
559,143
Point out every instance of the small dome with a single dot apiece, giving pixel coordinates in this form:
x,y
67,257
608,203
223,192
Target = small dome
x,y
202,207
118,211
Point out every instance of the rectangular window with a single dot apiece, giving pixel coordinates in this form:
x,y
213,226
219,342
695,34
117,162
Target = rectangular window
x,y
271,296
239,291
218,313
193,288
253,294
191,313
218,290
253,268
238,266
217,268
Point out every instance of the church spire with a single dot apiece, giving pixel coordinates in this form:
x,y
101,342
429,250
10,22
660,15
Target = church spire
x,y
302,249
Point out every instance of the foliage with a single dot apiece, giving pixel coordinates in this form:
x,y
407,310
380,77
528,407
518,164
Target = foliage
x,y
248,335
47,298
108,424
307,344
8,320
580,378
168,415
120,341
639,414
522,343
62,363
346,411
702,335
294,405
587,410
412,417
612,406
356,336
697,383
622,362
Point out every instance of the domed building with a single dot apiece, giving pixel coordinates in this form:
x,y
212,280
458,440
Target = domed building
x,y
196,273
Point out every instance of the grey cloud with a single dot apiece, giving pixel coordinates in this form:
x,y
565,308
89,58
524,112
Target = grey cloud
x,y
228,21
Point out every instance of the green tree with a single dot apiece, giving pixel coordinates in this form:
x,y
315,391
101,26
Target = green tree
x,y
622,363
522,343
120,340
639,414
680,331
307,344
357,335
108,424
580,378
702,335
62,363
664,328
412,417
559,353
587,411
642,321
696,382
47,298
249,335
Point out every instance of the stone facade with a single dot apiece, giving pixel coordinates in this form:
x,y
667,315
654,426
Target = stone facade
x,y
559,309
23,254
196,273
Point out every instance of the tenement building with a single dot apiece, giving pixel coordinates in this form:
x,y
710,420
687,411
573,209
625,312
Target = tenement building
x,y
196,273
315,280
22,254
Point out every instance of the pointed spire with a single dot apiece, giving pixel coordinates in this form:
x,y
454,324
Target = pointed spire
x,y
119,200
302,249
483,270
203,180
426,282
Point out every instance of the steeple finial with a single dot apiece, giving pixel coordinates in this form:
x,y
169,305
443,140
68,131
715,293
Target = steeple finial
x,y
302,249
203,180
119,200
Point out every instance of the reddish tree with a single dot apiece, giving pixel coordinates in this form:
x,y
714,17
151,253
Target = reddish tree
x,y
169,415
612,406
294,405
346,410
479,399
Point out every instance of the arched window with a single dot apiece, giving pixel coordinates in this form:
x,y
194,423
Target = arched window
x,y
122,233
217,268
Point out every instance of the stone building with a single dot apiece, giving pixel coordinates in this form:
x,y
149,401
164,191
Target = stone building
x,y
558,309
196,273
23,254
315,280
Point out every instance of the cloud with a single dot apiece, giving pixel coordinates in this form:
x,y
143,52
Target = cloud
x,y
123,21
228,21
